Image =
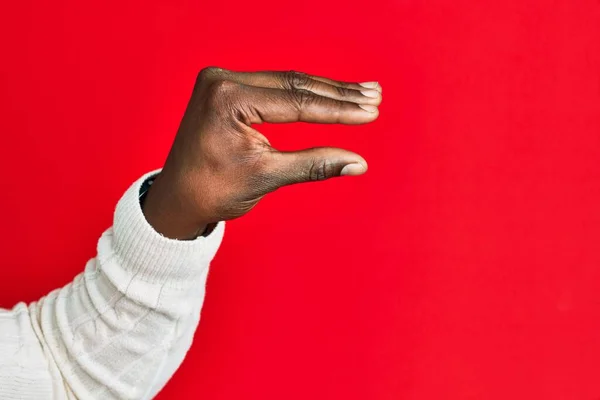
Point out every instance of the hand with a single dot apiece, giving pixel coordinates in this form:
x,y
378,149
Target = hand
x,y
220,167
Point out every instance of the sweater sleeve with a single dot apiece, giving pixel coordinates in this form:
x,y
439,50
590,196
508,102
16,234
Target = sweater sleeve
x,y
122,327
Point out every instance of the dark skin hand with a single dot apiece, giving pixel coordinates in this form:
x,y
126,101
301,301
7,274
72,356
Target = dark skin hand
x,y
219,167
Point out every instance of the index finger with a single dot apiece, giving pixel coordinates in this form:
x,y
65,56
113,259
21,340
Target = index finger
x,y
361,93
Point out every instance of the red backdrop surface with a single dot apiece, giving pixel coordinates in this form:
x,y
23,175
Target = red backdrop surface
x,y
464,265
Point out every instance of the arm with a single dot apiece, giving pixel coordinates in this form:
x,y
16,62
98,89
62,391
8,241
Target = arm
x,y
123,326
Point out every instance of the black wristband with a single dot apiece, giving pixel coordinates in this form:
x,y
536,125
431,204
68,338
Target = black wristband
x,y
144,189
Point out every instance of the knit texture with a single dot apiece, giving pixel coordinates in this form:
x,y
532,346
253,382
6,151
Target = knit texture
x,y
122,327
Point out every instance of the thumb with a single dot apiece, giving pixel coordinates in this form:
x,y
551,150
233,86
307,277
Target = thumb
x,y
314,164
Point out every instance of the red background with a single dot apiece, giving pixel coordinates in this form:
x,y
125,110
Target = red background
x,y
463,265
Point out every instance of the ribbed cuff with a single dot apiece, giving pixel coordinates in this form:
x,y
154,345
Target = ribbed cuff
x,y
152,257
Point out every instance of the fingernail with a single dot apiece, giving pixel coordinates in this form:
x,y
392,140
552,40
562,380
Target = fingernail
x,y
370,93
370,85
368,107
353,169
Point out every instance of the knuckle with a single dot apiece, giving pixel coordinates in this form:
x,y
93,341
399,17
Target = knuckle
x,y
208,73
296,80
337,109
219,96
342,91
301,98
220,89
320,170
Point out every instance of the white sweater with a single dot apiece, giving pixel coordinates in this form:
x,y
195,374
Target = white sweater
x,y
121,328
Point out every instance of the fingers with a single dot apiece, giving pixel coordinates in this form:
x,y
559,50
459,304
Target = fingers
x,y
345,93
365,93
316,164
350,85
259,105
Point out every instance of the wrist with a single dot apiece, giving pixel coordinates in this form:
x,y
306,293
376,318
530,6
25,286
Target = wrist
x,y
169,211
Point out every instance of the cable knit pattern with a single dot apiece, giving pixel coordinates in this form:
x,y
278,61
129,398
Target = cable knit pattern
x,y
121,328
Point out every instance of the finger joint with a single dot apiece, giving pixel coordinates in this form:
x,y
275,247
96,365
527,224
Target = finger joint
x,y
220,95
342,91
296,80
320,170
208,73
301,98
